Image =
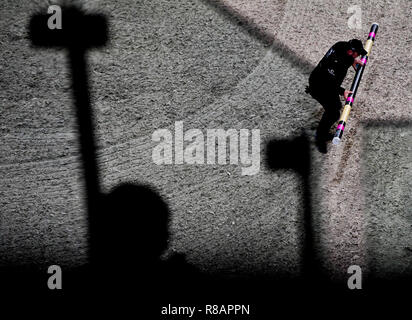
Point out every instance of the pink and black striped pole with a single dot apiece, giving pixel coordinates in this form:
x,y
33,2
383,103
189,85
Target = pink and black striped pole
x,y
355,84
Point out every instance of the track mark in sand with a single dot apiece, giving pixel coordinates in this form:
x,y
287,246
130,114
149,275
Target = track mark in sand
x,y
345,155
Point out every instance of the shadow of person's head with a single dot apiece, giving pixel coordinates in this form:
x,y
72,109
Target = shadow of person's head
x,y
133,227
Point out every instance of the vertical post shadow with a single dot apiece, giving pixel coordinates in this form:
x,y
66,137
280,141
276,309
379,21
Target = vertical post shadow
x,y
294,154
397,283
79,33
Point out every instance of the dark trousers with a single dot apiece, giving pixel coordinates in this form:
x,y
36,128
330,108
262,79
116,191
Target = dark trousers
x,y
330,101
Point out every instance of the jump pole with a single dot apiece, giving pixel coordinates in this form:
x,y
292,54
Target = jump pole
x,y
355,84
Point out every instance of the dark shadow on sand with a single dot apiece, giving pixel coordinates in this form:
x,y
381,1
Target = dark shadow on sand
x,y
129,227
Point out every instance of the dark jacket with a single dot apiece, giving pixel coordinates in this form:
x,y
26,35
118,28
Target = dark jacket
x,y
328,75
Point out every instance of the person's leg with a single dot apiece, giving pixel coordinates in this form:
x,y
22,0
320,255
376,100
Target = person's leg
x,y
328,119
332,106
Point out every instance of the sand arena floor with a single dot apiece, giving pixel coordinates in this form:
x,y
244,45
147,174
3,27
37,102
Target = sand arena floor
x,y
212,64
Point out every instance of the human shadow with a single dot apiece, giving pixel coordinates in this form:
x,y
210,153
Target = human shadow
x,y
131,234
